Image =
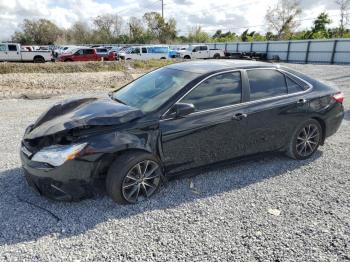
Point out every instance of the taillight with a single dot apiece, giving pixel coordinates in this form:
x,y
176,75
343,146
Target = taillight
x,y
339,97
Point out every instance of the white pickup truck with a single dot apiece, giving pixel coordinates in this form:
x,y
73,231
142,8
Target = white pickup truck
x,y
201,51
14,53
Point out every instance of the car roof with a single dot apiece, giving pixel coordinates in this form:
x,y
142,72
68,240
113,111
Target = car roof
x,y
207,66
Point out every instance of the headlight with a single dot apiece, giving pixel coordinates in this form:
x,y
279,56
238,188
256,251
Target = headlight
x,y
56,155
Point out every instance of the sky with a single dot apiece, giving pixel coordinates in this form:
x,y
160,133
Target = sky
x,y
233,15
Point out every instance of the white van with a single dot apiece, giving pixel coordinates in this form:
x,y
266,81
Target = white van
x,y
145,52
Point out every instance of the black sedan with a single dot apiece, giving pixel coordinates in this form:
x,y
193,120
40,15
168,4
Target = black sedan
x,y
177,118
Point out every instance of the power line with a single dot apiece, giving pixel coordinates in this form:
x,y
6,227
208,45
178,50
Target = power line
x,y
162,8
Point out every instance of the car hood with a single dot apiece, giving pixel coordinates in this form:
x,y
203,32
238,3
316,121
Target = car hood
x,y
82,112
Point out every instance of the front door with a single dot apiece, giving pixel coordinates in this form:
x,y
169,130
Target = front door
x,y
214,132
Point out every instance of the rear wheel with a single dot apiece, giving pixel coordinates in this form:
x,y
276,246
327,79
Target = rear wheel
x,y
39,59
187,57
216,56
305,140
133,177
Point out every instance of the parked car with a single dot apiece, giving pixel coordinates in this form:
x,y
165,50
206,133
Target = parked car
x,y
182,117
64,49
83,54
174,51
202,52
106,54
15,53
145,53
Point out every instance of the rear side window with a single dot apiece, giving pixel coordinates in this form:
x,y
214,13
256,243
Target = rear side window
x,y
12,47
265,83
293,87
217,91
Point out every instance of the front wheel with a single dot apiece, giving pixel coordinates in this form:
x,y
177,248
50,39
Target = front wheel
x,y
305,140
134,176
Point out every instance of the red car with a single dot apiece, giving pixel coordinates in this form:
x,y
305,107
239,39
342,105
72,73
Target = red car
x,y
84,54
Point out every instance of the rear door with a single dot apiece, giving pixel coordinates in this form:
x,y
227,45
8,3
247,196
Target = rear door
x,y
13,54
274,110
213,133
204,53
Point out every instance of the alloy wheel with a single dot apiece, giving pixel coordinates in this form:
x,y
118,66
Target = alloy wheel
x,y
141,181
308,140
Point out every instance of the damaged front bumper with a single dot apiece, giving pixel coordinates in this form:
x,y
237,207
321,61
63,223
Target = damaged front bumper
x,y
71,181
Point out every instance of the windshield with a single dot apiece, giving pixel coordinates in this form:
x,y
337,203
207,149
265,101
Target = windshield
x,y
152,90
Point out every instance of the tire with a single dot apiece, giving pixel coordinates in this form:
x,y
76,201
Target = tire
x,y
305,140
39,59
216,56
68,60
187,57
126,185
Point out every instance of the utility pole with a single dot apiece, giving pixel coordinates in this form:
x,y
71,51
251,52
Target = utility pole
x,y
162,8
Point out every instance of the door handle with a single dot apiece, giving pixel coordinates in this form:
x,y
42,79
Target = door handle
x,y
302,101
239,116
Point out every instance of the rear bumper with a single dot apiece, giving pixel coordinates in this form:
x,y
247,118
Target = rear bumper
x,y
334,119
71,181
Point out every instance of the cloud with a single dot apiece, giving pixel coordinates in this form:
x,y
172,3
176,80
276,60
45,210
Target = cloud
x,y
211,15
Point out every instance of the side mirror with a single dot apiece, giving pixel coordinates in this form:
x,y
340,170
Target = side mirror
x,y
182,109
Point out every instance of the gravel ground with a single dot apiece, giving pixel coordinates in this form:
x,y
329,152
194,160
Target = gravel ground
x,y
268,209
46,85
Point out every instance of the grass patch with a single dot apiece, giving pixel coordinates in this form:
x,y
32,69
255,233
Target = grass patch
x,y
74,67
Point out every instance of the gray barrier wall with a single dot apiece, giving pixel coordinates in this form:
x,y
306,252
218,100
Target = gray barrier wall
x,y
334,51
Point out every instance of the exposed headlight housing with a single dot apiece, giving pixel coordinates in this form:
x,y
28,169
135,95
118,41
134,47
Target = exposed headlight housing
x,y
56,155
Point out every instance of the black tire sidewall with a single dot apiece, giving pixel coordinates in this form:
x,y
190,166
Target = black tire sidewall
x,y
120,168
292,146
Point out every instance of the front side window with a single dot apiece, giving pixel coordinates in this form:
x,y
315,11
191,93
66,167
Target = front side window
x,y
12,48
265,83
217,91
79,52
152,90
196,49
88,51
144,50
204,48
135,51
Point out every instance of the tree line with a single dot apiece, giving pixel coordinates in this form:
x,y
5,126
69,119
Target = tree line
x,y
283,20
